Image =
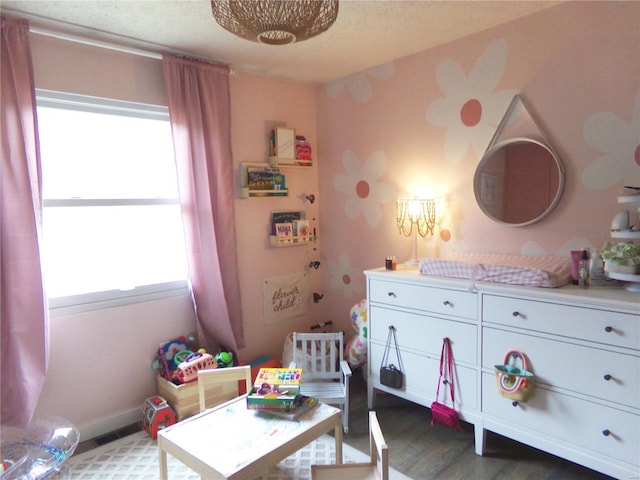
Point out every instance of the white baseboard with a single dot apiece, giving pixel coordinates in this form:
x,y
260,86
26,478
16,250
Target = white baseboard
x,y
93,430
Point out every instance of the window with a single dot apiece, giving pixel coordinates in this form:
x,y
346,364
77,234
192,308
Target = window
x,y
112,228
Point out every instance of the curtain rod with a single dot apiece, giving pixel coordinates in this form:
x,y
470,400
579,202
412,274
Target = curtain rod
x,y
95,43
117,47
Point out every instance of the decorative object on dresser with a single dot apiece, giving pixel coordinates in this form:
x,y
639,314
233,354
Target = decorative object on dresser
x,y
440,412
622,259
414,214
583,344
390,375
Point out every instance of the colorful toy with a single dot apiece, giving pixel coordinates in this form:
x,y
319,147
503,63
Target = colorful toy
x,y
172,353
224,359
187,371
275,389
356,348
156,415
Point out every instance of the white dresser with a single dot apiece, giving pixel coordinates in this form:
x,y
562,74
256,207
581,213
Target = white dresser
x,y
583,345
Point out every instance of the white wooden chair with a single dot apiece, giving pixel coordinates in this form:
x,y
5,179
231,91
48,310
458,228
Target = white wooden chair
x,y
377,468
326,374
219,385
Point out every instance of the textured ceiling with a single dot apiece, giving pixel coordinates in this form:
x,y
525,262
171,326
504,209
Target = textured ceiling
x,y
366,33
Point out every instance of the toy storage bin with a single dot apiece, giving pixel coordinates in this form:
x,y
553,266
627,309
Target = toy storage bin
x,y
182,398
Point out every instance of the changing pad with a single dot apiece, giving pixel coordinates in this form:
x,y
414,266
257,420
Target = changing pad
x,y
511,269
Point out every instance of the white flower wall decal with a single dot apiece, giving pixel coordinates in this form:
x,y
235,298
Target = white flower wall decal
x,y
358,84
620,141
346,278
365,193
532,248
471,109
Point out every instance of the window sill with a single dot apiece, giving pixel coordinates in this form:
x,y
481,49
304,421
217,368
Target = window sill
x,y
116,298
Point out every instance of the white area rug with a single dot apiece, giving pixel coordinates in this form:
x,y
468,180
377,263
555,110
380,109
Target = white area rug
x,y
136,458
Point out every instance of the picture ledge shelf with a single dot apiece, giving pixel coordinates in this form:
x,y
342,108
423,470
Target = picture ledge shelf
x,y
248,193
290,162
295,241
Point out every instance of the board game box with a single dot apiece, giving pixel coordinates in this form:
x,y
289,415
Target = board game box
x,y
275,389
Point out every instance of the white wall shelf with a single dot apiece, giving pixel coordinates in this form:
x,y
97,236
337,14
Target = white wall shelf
x,y
295,241
289,163
626,234
633,279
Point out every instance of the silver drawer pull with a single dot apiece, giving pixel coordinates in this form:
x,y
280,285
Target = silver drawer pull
x,y
608,329
606,432
392,294
447,303
607,377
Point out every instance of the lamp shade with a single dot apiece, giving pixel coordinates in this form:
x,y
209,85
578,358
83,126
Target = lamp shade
x,y
275,22
415,213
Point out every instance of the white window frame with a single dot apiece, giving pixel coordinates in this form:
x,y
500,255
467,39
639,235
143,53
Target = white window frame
x,y
112,298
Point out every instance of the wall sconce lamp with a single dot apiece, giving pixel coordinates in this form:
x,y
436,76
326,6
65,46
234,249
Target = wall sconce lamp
x,y
415,215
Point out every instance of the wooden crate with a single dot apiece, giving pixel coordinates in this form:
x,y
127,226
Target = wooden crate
x,y
184,398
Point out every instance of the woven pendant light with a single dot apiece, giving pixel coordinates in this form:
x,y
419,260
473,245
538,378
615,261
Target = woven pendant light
x,y
275,22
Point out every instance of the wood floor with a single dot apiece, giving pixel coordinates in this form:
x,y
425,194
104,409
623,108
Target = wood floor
x,y
423,452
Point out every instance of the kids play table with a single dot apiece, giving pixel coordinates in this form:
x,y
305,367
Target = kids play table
x,y
232,442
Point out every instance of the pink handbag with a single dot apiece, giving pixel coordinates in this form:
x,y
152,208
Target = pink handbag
x,y
440,412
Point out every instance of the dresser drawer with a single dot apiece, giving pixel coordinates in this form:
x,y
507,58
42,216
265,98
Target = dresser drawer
x,y
606,327
454,303
567,419
424,334
591,371
421,378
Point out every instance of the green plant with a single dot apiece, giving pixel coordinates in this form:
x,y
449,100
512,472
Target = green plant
x,y
621,253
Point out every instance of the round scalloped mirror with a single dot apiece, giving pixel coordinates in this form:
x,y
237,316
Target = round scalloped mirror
x,y
518,182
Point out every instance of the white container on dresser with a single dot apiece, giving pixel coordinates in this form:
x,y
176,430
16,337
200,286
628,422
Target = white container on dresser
x,y
583,345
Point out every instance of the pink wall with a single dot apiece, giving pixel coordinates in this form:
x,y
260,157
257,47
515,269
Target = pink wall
x,y
111,350
375,136
398,130
258,105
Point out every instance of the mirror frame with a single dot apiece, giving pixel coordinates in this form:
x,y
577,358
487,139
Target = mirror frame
x,y
487,157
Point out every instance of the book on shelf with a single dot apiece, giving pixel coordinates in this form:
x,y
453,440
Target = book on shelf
x,y
284,217
301,229
284,232
264,178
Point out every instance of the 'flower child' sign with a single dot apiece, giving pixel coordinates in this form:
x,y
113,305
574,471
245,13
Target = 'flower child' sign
x,y
285,297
